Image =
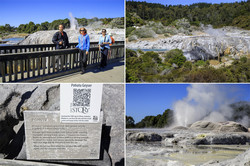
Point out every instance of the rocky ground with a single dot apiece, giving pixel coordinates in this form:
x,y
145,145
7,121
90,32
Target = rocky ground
x,y
182,145
15,35
23,97
45,37
203,44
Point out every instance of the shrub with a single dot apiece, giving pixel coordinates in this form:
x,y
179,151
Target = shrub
x,y
158,30
207,74
187,66
181,23
130,53
200,63
144,32
166,35
117,23
243,59
170,30
175,56
129,30
132,38
195,23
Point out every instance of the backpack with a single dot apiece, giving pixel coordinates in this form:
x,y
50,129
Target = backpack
x,y
112,39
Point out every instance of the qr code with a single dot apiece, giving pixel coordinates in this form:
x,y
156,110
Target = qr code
x,y
95,118
81,97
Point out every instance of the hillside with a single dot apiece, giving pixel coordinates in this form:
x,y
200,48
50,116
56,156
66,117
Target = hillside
x,y
219,15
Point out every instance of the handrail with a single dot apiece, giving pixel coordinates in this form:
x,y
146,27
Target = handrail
x,y
40,47
41,65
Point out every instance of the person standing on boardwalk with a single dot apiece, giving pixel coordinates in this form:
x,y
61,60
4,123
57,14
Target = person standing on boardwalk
x,y
104,47
83,46
60,39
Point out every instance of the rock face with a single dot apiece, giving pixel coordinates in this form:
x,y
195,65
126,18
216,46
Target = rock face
x,y
16,98
221,127
113,108
45,37
223,139
209,45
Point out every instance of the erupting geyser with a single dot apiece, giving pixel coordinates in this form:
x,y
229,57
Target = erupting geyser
x,y
73,22
206,102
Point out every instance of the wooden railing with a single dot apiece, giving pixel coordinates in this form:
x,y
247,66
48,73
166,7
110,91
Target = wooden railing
x,y
33,66
40,47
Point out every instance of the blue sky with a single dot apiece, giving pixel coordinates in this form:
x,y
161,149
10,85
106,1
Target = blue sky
x,y
188,2
153,99
15,12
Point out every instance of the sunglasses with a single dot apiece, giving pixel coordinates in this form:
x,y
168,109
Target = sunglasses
x,y
82,30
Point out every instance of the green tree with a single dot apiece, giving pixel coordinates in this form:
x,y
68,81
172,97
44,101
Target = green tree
x,y
130,123
82,21
218,15
159,121
31,27
175,56
44,26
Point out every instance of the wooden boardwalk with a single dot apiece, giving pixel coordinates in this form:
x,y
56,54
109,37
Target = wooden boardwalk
x,y
113,73
38,63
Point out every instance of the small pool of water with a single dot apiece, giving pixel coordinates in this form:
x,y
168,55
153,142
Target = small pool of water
x,y
12,41
158,154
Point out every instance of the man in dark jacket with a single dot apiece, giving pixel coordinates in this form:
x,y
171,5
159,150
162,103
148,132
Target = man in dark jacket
x,y
60,39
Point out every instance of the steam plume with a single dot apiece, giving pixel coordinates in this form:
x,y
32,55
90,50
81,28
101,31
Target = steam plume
x,y
206,102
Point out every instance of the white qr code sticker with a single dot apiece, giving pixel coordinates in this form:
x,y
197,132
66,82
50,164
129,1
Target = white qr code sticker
x,y
80,103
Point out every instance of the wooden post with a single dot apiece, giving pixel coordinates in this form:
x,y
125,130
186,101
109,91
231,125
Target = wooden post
x,y
2,66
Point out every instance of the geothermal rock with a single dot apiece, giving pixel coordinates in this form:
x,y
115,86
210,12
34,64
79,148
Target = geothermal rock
x,y
229,126
223,139
143,137
180,128
204,125
209,45
190,137
45,37
232,127
167,135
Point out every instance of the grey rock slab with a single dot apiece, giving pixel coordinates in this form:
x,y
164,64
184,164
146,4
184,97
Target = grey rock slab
x,y
25,163
113,108
47,138
228,126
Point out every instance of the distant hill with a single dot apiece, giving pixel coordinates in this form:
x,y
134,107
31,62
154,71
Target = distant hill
x,y
219,15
